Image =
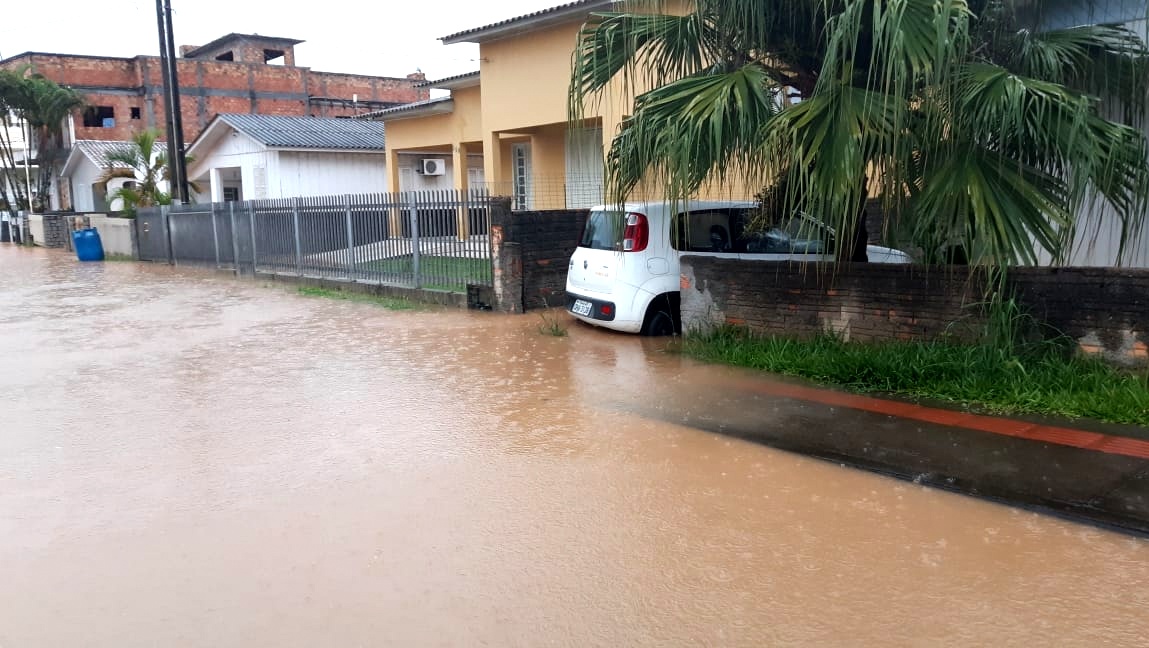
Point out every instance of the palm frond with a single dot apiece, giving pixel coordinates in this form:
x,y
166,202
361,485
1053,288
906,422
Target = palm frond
x,y
694,129
996,211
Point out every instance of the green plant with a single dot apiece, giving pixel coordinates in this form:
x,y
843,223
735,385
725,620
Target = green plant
x,y
390,303
1037,378
982,130
145,166
447,273
551,324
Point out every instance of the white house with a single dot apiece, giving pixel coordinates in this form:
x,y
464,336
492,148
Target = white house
x,y
1098,236
82,170
254,157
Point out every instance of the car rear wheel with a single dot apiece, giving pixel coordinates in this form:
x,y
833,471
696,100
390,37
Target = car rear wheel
x,y
661,318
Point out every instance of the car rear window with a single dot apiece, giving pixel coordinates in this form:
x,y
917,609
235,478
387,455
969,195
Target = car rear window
x,y
603,231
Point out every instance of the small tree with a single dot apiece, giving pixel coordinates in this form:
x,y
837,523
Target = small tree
x,y
146,165
42,106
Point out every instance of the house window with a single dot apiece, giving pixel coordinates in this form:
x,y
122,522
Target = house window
x,y
100,117
270,55
226,56
521,175
135,112
230,194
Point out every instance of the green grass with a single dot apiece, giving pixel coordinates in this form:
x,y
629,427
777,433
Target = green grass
x,y
1029,378
551,324
437,272
390,303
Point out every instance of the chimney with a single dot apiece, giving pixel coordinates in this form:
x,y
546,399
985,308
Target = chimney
x,y
417,76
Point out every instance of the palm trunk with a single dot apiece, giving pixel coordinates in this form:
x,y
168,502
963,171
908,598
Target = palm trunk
x,y
8,164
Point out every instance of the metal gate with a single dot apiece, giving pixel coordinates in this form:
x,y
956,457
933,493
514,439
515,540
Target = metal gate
x,y
152,234
436,240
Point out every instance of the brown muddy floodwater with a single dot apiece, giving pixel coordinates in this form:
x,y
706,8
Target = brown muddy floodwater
x,y
188,459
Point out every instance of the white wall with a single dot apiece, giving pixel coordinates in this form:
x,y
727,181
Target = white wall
x,y
235,150
1098,235
36,228
82,178
326,174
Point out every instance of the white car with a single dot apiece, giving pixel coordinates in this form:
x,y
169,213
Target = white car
x,y
624,274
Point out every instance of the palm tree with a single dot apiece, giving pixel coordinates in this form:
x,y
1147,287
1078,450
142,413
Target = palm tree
x,y
47,105
42,106
977,129
145,163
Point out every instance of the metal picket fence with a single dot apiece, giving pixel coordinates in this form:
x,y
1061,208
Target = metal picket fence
x,y
436,240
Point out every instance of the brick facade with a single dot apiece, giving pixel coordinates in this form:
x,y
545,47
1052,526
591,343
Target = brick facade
x,y
532,250
132,88
1106,310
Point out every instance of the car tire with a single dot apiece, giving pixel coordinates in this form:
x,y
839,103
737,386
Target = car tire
x,y
661,319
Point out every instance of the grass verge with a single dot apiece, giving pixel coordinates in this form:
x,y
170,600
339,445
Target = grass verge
x,y
437,272
1041,379
390,303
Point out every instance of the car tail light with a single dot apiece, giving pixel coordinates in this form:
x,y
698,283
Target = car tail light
x,y
637,233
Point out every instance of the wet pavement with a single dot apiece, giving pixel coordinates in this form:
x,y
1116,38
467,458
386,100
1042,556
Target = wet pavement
x,y
188,459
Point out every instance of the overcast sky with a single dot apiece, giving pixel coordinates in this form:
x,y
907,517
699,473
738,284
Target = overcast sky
x,y
388,38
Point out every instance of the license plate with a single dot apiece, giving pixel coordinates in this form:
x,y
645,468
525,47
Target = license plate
x,y
581,307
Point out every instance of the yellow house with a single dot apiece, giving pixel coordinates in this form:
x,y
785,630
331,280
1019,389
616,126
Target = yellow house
x,y
511,115
505,127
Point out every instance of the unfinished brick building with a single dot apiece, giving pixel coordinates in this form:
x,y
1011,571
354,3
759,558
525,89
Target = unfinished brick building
x,y
238,73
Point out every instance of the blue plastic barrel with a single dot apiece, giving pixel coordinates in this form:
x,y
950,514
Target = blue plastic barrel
x,y
88,245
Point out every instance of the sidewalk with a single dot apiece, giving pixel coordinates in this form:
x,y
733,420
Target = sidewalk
x,y
1098,475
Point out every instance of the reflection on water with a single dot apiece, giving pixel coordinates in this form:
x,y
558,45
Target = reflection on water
x,y
186,459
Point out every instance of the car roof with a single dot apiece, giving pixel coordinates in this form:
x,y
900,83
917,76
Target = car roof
x,y
678,205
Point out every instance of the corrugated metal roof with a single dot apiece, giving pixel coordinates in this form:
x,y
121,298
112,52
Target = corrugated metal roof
x,y
502,25
97,151
449,81
406,108
309,132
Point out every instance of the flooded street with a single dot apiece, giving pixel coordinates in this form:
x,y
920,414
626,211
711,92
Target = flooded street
x,y
188,459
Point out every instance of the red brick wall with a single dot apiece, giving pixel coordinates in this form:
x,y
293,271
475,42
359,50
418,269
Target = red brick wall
x,y
210,87
1106,310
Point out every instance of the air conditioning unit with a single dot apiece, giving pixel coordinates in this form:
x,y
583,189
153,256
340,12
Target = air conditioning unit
x,y
432,167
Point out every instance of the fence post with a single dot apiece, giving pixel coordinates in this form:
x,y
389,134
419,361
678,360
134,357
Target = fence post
x,y
165,220
215,235
295,227
415,252
251,219
234,239
350,243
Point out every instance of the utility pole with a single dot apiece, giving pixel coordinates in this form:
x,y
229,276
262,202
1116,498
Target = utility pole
x,y
177,166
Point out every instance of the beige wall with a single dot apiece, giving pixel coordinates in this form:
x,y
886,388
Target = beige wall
x,y
115,233
525,78
463,124
36,228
